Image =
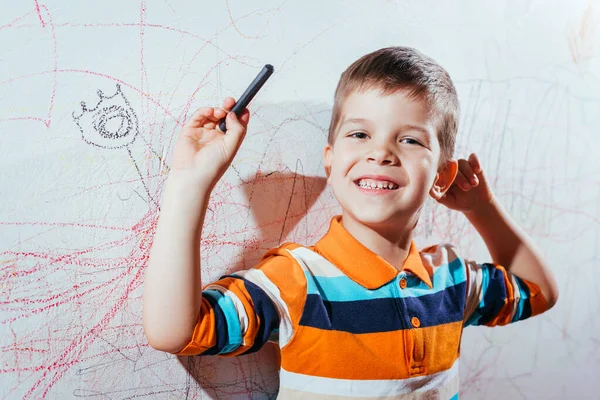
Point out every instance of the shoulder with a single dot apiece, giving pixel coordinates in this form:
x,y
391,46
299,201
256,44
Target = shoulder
x,y
281,267
441,254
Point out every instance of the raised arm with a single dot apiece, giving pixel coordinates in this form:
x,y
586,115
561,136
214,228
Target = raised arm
x,y
172,285
511,247
507,243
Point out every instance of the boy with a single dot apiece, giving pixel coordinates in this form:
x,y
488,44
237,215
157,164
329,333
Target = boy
x,y
362,313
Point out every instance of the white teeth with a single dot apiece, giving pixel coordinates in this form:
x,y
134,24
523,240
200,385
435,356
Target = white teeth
x,y
373,184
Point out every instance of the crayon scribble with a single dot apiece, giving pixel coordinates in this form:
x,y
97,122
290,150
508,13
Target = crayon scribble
x,y
83,180
112,123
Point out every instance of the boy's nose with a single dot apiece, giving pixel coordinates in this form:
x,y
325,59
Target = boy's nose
x,y
382,156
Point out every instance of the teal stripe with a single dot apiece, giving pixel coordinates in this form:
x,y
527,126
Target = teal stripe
x,y
342,288
234,331
485,282
474,318
455,397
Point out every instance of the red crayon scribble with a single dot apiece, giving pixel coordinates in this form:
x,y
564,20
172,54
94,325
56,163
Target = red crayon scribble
x,y
37,9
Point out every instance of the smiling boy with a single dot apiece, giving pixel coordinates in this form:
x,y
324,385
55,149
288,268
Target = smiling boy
x,y
361,313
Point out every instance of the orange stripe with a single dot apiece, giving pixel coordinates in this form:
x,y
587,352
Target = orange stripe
x,y
283,270
285,273
383,355
204,336
537,300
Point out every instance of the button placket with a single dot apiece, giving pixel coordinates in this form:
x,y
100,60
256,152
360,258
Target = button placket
x,y
413,367
415,346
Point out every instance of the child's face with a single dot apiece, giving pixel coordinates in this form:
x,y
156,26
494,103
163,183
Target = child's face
x,y
389,138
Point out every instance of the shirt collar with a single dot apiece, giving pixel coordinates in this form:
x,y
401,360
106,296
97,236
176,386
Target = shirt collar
x,y
361,264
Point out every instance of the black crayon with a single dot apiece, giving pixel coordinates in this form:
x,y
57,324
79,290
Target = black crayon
x,y
249,94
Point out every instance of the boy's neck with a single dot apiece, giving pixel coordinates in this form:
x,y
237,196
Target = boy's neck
x,y
393,245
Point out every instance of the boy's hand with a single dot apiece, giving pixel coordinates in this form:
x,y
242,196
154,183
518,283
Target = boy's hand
x,y
203,149
470,189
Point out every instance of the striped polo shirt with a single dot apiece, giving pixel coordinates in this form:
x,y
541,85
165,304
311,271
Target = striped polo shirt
x,y
351,326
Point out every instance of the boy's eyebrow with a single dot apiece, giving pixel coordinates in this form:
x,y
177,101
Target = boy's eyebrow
x,y
356,120
404,126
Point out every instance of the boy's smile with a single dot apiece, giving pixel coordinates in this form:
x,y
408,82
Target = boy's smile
x,y
383,160
377,184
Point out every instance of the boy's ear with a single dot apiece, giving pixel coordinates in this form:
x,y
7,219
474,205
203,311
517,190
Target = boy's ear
x,y
443,179
327,161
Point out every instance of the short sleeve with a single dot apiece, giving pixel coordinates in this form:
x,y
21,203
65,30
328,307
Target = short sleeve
x,y
240,312
498,297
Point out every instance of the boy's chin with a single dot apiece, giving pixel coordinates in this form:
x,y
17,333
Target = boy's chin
x,y
376,218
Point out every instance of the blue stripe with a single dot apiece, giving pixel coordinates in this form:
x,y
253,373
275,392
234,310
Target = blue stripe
x,y
386,314
485,304
234,331
264,310
220,328
342,288
495,293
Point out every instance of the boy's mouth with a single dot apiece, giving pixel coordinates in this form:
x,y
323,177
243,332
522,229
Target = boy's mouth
x,y
376,183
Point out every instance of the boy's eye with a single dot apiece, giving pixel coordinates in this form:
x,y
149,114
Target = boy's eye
x,y
410,141
359,135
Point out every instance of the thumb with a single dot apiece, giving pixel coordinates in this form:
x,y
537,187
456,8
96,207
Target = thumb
x,y
235,131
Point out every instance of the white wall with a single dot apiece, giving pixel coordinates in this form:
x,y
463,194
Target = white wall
x,y
78,211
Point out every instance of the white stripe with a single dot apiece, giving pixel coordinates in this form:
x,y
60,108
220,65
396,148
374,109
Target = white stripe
x,y
474,293
239,306
517,293
316,264
442,254
261,280
445,380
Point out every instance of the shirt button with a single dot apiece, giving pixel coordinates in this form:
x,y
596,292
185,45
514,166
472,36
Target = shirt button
x,y
402,283
415,322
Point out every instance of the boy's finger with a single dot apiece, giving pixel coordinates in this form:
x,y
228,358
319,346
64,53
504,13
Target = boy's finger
x,y
228,103
474,161
245,117
465,167
198,118
235,131
461,181
220,113
200,135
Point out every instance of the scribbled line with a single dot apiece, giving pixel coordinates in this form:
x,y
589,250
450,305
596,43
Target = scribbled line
x,y
110,394
37,9
54,72
235,25
581,41
78,225
143,72
80,344
112,123
146,95
47,121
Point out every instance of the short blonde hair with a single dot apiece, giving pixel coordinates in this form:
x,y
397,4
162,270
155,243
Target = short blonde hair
x,y
392,69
